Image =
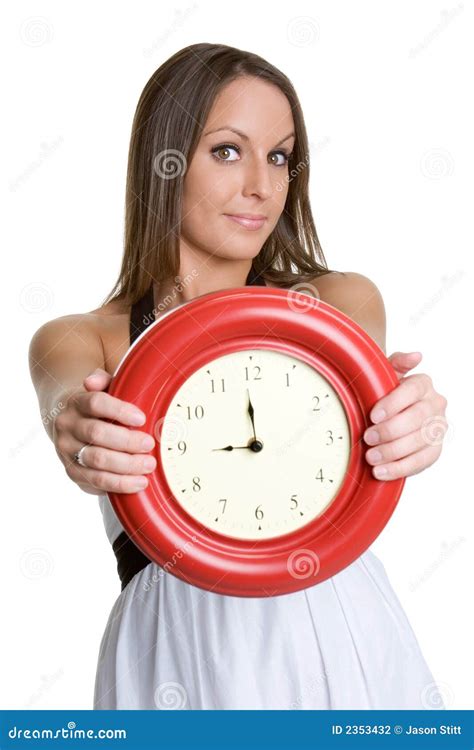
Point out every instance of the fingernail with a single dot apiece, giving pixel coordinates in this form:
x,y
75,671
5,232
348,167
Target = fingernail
x,y
380,471
149,463
378,415
148,443
141,483
137,417
372,437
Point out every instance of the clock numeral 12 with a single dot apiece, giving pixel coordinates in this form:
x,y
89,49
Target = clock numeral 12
x,y
256,377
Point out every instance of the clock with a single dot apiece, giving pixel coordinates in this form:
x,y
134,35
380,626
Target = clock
x,y
258,407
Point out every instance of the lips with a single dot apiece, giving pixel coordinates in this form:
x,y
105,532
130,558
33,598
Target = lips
x,y
249,222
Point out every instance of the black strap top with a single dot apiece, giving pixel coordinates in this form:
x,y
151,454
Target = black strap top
x,y
130,559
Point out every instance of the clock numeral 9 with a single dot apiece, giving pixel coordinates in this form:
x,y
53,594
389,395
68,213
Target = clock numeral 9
x,y
198,412
182,446
256,377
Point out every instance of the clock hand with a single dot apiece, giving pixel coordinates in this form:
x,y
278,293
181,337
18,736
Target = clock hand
x,y
254,445
231,448
251,415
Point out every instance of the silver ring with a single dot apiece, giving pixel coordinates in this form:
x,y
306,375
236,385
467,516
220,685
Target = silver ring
x,y
78,456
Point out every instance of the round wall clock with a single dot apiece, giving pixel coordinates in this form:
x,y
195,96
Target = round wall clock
x,y
258,407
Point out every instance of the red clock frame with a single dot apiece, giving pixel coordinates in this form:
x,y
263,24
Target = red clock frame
x,y
182,341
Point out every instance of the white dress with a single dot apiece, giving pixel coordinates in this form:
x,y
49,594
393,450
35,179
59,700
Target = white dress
x,y
344,643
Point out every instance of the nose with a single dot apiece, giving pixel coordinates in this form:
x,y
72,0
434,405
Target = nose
x,y
257,180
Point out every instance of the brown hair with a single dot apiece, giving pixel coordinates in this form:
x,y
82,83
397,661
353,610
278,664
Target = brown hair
x,y
169,119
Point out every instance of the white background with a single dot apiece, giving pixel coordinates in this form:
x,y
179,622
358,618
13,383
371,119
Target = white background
x,y
386,90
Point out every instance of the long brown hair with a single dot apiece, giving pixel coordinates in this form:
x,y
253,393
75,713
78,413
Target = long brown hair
x,y
169,119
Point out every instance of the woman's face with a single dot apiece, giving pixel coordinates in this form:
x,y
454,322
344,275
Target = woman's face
x,y
234,173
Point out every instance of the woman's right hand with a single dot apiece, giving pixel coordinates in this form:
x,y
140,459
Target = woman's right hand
x,y
116,456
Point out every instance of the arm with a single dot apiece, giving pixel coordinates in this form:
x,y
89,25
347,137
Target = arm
x,y
61,354
409,422
357,297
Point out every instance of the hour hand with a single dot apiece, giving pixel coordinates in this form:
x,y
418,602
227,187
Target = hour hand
x,y
230,448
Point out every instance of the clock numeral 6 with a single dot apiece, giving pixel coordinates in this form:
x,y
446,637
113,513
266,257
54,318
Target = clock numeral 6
x,y
258,513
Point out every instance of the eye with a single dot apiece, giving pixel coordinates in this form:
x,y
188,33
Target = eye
x,y
226,147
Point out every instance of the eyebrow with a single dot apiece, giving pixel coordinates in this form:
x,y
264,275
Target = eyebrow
x,y
245,137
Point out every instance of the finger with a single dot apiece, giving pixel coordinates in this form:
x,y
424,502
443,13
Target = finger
x,y
401,424
97,380
409,465
405,361
106,481
115,437
411,389
103,405
114,461
396,449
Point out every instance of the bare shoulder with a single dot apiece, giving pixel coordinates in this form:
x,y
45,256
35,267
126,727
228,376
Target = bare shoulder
x,y
358,297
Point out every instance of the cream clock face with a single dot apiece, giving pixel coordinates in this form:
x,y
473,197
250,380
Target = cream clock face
x,y
257,484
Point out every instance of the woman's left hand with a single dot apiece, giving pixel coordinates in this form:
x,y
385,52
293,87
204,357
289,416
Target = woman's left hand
x,y
409,435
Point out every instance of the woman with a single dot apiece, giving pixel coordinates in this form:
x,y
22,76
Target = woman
x,y
219,134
